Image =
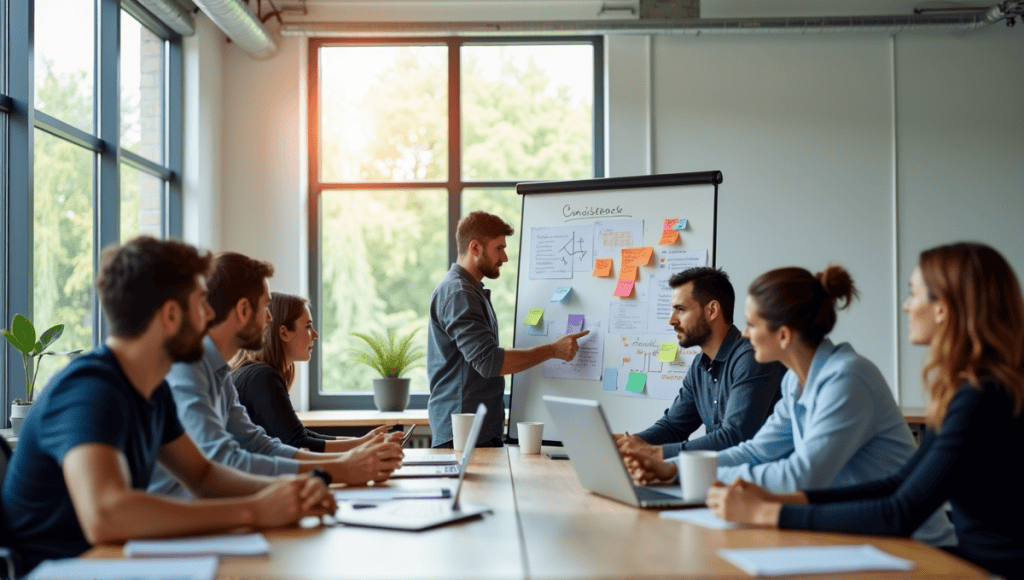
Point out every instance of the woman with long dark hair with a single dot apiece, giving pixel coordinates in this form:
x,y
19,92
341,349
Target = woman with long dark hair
x,y
965,303
263,377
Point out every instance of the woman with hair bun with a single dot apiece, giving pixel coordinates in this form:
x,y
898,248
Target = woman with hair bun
x,y
837,422
965,303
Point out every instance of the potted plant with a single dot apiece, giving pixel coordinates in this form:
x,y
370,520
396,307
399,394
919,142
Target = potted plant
x,y
22,336
389,356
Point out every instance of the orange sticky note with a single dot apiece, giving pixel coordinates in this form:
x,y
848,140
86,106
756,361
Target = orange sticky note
x,y
603,267
628,273
670,222
668,237
624,289
636,256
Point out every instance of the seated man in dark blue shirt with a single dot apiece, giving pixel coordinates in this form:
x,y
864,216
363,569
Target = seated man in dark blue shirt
x,y
88,447
726,390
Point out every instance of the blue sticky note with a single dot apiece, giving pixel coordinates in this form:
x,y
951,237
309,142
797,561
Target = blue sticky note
x,y
611,379
539,329
561,293
680,225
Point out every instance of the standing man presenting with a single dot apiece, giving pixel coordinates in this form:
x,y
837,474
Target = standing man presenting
x,y
726,390
465,365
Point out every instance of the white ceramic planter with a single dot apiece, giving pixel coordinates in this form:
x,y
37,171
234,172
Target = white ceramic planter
x,y
18,414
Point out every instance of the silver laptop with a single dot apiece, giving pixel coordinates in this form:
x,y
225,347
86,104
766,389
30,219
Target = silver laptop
x,y
595,457
419,514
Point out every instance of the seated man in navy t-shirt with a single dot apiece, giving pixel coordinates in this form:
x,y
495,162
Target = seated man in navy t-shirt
x,y
89,445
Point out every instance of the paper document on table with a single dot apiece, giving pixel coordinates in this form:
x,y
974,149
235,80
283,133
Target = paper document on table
x,y
701,517
148,569
219,545
812,560
589,358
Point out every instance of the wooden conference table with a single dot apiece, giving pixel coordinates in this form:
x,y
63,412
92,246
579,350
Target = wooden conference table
x,y
544,525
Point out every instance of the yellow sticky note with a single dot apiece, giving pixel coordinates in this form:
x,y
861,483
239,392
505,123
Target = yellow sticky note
x,y
668,237
668,351
534,316
603,267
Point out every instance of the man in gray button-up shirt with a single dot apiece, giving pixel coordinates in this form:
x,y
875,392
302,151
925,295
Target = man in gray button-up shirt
x,y
726,390
207,402
465,365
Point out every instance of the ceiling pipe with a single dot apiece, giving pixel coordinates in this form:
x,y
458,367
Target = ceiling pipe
x,y
241,25
172,15
949,22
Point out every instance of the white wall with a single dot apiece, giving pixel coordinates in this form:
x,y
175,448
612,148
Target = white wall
x,y
819,146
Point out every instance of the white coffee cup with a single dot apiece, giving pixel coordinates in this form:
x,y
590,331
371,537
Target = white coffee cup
x,y
697,473
530,437
461,424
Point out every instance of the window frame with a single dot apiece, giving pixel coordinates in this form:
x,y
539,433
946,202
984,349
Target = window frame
x,y
454,185
20,120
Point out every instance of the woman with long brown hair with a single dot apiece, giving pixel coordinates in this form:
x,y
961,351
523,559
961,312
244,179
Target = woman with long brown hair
x,y
965,303
263,377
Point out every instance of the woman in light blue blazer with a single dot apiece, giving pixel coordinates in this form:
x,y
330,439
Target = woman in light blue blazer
x,y
837,423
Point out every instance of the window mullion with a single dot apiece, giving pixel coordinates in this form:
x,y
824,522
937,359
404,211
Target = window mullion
x,y
454,143
107,196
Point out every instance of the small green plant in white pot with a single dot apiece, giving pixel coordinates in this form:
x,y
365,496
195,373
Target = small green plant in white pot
x,y
22,337
391,357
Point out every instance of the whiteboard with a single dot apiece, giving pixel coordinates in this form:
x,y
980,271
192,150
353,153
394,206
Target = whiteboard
x,y
557,219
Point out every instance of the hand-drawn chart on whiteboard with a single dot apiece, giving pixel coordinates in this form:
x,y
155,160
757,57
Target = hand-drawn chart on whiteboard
x,y
598,254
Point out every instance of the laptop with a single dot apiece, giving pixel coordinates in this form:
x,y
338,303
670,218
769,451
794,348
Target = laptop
x,y
419,514
415,465
595,457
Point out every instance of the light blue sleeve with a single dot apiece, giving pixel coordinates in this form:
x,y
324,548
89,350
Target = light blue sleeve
x,y
839,422
250,435
773,441
192,390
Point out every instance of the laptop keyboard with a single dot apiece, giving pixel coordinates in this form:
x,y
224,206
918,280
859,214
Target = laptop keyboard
x,y
648,494
418,509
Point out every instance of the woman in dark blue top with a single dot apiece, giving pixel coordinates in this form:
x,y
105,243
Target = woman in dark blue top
x,y
263,377
965,303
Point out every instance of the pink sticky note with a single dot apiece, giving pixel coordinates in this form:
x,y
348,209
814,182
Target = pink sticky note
x,y
670,222
624,289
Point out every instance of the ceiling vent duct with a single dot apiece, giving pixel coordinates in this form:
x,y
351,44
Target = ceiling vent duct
x,y
241,25
959,21
172,15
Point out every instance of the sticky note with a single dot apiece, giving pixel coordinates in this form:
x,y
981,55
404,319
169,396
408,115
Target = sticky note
x,y
534,316
561,293
624,289
636,256
680,225
636,382
670,222
668,351
668,237
602,267
611,379
628,273
540,329
575,324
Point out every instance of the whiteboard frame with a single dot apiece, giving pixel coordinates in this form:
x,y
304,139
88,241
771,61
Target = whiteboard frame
x,y
709,178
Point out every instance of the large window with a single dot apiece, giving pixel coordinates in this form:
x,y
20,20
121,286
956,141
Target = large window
x,y
87,160
407,137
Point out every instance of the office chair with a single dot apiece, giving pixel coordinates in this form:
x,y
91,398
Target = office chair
x,y
6,554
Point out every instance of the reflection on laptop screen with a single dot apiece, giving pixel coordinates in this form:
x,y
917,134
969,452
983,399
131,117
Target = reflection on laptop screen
x,y
474,432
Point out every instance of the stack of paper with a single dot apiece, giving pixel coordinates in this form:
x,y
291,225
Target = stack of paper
x,y
701,517
812,560
149,569
222,545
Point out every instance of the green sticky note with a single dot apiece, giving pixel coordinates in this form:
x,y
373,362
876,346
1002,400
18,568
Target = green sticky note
x,y
668,351
636,382
534,316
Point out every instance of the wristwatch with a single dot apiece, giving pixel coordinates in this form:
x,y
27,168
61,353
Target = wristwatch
x,y
323,475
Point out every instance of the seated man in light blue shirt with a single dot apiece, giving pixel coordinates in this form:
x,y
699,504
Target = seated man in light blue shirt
x,y
837,423
207,402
